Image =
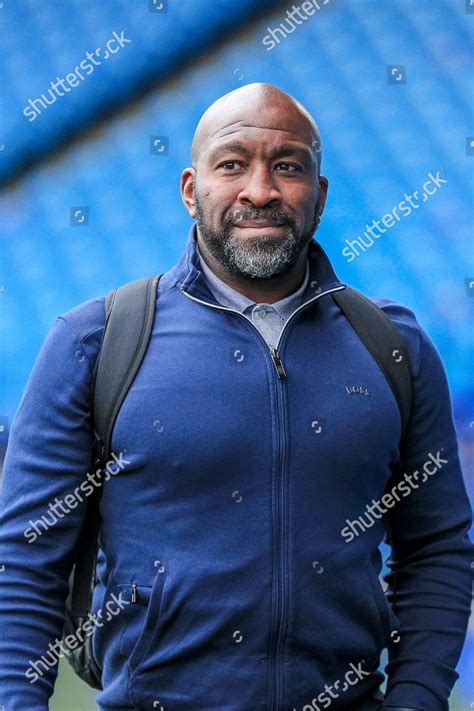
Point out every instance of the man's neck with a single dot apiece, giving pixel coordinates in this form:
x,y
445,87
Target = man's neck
x,y
261,291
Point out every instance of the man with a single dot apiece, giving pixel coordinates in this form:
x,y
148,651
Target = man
x,y
255,445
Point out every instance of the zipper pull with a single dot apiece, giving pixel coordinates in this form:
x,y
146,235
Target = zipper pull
x,y
277,363
134,593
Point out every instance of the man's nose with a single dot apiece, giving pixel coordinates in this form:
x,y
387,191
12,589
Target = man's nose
x,y
259,188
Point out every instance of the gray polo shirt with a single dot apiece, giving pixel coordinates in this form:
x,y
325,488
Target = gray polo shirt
x,y
268,318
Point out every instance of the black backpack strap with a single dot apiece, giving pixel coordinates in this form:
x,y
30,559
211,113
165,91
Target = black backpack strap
x,y
130,312
383,340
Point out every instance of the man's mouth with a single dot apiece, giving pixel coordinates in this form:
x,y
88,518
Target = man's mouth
x,y
258,224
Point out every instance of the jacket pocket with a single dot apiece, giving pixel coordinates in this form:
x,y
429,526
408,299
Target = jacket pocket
x,y
386,617
140,618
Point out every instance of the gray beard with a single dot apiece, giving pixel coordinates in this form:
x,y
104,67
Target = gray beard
x,y
258,257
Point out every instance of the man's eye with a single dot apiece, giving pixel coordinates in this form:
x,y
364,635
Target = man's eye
x,y
230,164
289,167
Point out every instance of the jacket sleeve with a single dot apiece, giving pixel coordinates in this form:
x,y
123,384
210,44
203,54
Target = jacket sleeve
x,y
430,567
42,508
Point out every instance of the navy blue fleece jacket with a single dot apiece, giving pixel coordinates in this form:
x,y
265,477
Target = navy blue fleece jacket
x,y
241,525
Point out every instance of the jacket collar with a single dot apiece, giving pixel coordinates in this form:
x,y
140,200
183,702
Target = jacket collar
x,y
228,296
190,277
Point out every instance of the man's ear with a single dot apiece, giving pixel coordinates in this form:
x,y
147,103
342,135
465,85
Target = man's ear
x,y
188,177
322,197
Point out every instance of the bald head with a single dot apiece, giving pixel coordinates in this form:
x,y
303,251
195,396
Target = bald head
x,y
256,105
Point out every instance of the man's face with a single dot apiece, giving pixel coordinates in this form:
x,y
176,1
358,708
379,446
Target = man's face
x,y
257,197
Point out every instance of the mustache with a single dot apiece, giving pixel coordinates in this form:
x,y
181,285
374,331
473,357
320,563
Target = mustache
x,y
272,216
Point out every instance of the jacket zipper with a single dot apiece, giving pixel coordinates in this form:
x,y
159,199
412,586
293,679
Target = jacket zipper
x,y
274,354
279,619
